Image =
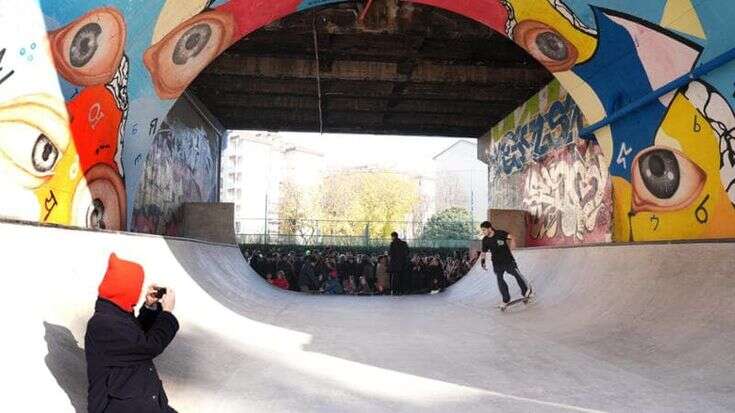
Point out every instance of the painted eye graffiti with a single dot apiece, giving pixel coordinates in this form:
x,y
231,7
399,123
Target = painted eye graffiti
x,y
88,51
100,200
191,43
84,44
552,46
96,215
45,154
664,179
660,173
178,57
34,135
546,45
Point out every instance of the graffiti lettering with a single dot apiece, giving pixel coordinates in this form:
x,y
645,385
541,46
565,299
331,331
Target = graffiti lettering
x,y
49,204
153,126
95,115
565,197
701,212
101,148
696,127
134,129
655,221
7,76
138,158
623,154
533,140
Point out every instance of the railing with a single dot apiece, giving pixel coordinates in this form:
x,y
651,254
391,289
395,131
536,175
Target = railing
x,y
345,241
339,233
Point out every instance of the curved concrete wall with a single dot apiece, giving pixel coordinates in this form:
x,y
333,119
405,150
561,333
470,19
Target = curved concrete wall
x,y
121,64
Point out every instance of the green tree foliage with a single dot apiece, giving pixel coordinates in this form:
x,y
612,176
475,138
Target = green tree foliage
x,y
452,223
363,196
290,208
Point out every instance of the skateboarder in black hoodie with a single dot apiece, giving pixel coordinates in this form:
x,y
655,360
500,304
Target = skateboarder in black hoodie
x,y
120,347
497,242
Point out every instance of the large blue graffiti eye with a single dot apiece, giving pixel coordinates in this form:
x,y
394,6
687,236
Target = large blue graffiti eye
x,y
552,46
659,170
84,44
191,43
546,45
44,154
88,50
664,179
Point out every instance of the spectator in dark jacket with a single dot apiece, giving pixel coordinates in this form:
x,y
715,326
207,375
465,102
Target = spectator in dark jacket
x,y
307,277
120,348
398,263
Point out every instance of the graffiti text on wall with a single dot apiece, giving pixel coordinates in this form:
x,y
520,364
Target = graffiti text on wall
x,y
531,132
180,167
568,197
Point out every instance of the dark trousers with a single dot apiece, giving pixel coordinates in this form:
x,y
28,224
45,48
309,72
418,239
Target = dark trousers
x,y
395,283
503,286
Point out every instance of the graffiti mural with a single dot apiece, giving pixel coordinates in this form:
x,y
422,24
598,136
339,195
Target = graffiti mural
x,y
182,166
565,187
102,76
568,197
549,120
670,159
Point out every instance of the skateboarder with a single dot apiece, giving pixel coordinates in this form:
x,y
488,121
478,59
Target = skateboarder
x,y
497,242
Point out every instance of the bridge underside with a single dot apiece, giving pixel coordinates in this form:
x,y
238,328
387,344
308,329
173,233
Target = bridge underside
x,y
415,70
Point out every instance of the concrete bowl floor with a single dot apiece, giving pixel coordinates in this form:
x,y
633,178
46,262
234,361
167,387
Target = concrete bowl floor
x,y
614,328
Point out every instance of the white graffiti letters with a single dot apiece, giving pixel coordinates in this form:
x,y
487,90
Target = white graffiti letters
x,y
564,196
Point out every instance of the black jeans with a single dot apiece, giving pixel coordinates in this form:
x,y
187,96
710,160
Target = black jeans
x,y
511,269
395,282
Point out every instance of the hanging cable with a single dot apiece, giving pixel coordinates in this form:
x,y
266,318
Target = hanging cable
x,y
318,76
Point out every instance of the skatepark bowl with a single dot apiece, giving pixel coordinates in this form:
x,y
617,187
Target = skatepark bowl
x,y
645,328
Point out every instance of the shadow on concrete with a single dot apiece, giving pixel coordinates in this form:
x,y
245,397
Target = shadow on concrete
x,y
65,360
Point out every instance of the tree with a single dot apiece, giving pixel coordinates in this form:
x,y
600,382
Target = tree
x,y
453,223
296,210
359,203
290,208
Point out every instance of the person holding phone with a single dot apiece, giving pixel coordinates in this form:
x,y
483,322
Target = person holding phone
x,y
120,347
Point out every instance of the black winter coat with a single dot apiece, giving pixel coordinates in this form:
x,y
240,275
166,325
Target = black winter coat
x,y
307,277
398,254
120,350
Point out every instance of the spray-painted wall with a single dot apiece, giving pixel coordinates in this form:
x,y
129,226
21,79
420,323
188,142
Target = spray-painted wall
x,y
181,166
537,163
122,63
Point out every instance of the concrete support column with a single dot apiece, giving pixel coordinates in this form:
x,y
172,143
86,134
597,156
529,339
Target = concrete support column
x,y
214,222
511,220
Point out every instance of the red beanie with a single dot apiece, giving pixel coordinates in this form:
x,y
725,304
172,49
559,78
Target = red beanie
x,y
122,283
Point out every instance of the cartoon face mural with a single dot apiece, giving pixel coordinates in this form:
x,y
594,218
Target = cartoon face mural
x,y
121,65
671,162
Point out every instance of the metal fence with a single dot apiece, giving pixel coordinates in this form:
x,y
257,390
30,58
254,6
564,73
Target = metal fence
x,y
338,233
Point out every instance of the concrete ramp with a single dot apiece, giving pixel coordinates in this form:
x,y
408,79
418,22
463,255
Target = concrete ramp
x,y
618,328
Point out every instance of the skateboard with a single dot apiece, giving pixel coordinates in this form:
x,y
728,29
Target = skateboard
x,y
524,300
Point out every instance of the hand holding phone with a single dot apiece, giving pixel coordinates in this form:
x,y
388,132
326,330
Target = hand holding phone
x,y
160,292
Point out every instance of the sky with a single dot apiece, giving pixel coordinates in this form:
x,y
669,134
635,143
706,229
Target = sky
x,y
400,153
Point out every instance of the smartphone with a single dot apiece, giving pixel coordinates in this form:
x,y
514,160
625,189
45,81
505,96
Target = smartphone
x,y
160,292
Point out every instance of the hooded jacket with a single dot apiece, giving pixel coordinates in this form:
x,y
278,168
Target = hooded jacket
x,y
120,348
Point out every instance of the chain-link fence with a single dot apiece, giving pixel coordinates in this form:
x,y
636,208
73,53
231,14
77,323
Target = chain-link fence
x,y
339,233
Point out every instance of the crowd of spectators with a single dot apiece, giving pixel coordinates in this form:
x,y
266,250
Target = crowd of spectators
x,y
355,272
